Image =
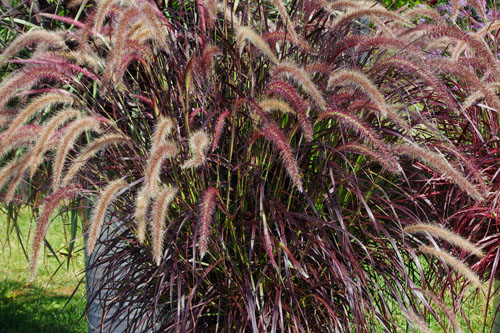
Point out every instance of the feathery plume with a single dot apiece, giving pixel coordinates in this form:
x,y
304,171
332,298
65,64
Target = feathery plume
x,y
219,127
228,15
9,170
468,164
156,22
447,311
343,4
73,131
359,80
160,206
207,209
351,15
273,37
468,76
24,136
89,151
164,127
363,43
199,142
34,106
391,165
416,320
296,264
99,212
24,79
246,33
119,46
102,9
290,26
272,133
454,262
140,213
303,79
358,125
38,151
362,82
298,104
158,155
423,11
49,38
271,104
438,231
477,5
421,71
475,42
439,164
51,203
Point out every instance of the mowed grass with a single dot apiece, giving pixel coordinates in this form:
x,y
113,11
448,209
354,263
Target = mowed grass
x,y
39,306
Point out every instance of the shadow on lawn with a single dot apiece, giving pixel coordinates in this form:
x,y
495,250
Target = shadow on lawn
x,y
24,308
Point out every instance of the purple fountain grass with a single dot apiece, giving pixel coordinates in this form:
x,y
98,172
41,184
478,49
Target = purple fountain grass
x,y
219,127
44,37
38,151
423,11
416,320
162,201
419,70
439,164
141,207
206,212
438,231
391,165
24,136
303,79
32,108
119,45
273,37
246,33
10,169
475,42
67,142
199,142
453,262
99,212
25,79
158,155
233,242
91,149
360,127
362,82
275,104
52,202
290,26
288,92
102,9
163,128
468,76
272,133
343,19
466,162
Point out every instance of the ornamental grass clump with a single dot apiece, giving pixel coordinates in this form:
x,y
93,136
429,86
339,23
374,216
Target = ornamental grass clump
x,y
263,165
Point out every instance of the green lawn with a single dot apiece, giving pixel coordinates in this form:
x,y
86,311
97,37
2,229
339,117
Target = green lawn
x,y
39,306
